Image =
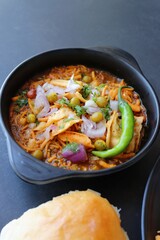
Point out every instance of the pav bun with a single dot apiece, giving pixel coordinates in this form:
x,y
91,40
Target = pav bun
x,y
77,215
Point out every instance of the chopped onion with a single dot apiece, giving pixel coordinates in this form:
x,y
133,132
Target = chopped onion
x,y
72,85
40,136
90,103
41,102
27,133
93,93
48,88
46,133
114,105
52,110
91,107
92,129
75,153
88,123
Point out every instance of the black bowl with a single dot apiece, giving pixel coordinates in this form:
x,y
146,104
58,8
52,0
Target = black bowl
x,y
114,60
150,218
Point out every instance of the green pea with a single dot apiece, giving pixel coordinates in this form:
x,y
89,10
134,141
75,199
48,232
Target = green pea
x,y
52,97
101,101
87,79
31,118
96,117
100,145
38,154
74,102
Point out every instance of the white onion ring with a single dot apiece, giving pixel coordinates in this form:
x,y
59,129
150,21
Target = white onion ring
x,y
92,129
72,85
91,106
41,101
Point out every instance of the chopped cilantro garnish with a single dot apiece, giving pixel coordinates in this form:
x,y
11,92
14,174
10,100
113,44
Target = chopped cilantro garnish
x,y
68,119
17,109
86,90
95,95
106,111
73,147
63,101
24,92
37,122
21,102
79,110
102,85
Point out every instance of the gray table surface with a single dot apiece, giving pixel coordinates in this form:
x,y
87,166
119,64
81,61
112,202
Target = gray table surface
x,y
30,27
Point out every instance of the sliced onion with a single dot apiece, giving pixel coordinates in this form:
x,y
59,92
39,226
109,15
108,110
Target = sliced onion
x,y
72,85
38,99
92,129
52,110
114,105
79,155
48,88
88,123
40,136
91,107
27,133
41,102
93,93
46,133
90,103
91,110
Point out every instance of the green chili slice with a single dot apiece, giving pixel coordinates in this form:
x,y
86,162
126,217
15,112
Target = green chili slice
x,y
127,129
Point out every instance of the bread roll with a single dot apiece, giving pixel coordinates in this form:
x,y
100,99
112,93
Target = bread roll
x,y
78,215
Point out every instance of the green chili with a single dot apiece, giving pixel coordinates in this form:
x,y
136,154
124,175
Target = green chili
x,y
127,129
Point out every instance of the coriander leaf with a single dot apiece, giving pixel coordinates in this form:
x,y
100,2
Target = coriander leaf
x,y
85,91
102,85
37,122
21,102
17,109
68,120
80,110
24,92
95,95
106,112
63,101
73,147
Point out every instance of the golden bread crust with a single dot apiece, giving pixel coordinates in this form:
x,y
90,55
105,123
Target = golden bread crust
x,y
78,215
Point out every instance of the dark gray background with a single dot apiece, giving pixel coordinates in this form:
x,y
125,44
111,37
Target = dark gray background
x,y
33,26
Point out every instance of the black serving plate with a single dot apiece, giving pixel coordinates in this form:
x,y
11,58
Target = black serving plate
x,y
151,205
